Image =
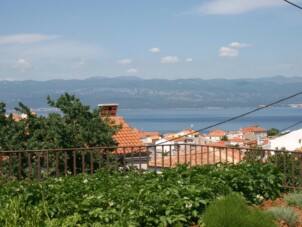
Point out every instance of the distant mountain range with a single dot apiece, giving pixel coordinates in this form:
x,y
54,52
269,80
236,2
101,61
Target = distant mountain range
x,y
133,92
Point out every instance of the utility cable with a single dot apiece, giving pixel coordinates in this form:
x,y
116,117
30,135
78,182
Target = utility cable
x,y
234,118
299,7
290,126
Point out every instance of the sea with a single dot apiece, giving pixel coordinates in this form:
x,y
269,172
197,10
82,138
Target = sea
x,y
175,120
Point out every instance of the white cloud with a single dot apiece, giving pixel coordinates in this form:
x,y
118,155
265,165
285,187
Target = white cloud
x,y
25,38
232,49
189,59
228,52
132,71
154,50
229,7
79,63
238,45
22,65
125,61
170,59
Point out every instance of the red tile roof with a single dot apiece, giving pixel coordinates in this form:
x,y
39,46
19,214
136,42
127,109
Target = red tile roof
x,y
125,136
148,134
201,156
237,140
218,144
255,128
216,133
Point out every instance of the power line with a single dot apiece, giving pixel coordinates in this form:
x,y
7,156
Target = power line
x,y
234,118
291,126
299,7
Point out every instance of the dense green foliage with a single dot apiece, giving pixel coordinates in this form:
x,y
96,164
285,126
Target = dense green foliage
x,y
232,211
75,127
273,132
174,197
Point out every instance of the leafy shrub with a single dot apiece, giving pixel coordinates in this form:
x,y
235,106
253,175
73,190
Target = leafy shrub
x,y
294,199
175,197
254,181
286,214
232,211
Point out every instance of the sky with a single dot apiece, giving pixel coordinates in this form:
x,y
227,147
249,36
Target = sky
x,y
167,39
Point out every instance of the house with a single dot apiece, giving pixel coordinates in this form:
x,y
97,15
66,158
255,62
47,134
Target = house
x,y
234,134
127,138
236,141
254,132
215,135
149,138
291,141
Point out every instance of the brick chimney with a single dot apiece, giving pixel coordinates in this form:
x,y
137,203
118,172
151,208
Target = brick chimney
x,y
109,110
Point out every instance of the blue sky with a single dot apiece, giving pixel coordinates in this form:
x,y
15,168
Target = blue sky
x,y
76,39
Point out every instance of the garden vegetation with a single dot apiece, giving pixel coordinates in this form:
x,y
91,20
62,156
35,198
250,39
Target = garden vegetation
x,y
175,197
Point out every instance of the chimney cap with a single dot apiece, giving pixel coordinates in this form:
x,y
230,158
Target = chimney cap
x,y
110,104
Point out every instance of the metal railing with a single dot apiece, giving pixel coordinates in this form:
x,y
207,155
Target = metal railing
x,y
42,164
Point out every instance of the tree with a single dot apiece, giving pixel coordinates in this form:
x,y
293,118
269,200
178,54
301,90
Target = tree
x,y
273,132
76,127
224,138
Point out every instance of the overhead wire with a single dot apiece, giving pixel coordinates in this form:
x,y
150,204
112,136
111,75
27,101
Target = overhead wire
x,y
234,118
299,7
245,114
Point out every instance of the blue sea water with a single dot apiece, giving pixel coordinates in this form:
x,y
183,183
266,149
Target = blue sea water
x,y
174,120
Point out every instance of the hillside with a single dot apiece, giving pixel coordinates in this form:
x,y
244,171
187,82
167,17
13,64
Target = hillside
x,y
133,92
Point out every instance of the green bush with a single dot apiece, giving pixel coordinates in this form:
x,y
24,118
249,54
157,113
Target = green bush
x,y
286,214
254,181
294,199
232,211
175,197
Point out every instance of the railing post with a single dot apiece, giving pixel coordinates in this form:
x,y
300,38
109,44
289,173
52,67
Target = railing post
x,y
83,161
140,159
74,163
91,162
57,164
124,159
39,165
65,163
208,155
170,156
19,166
293,169
1,157
29,165
115,160
47,163
214,153
300,169
284,168
162,157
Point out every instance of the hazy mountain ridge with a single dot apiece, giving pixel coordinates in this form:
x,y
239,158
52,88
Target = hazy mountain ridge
x,y
133,92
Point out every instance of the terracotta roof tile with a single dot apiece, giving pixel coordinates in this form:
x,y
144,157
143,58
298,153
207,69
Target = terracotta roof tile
x,y
200,156
147,134
216,133
126,136
255,128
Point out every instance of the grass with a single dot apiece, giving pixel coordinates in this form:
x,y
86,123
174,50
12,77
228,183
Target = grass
x,y
294,199
286,214
233,211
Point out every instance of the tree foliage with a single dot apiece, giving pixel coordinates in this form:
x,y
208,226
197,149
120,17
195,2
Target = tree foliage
x,y
77,126
273,132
